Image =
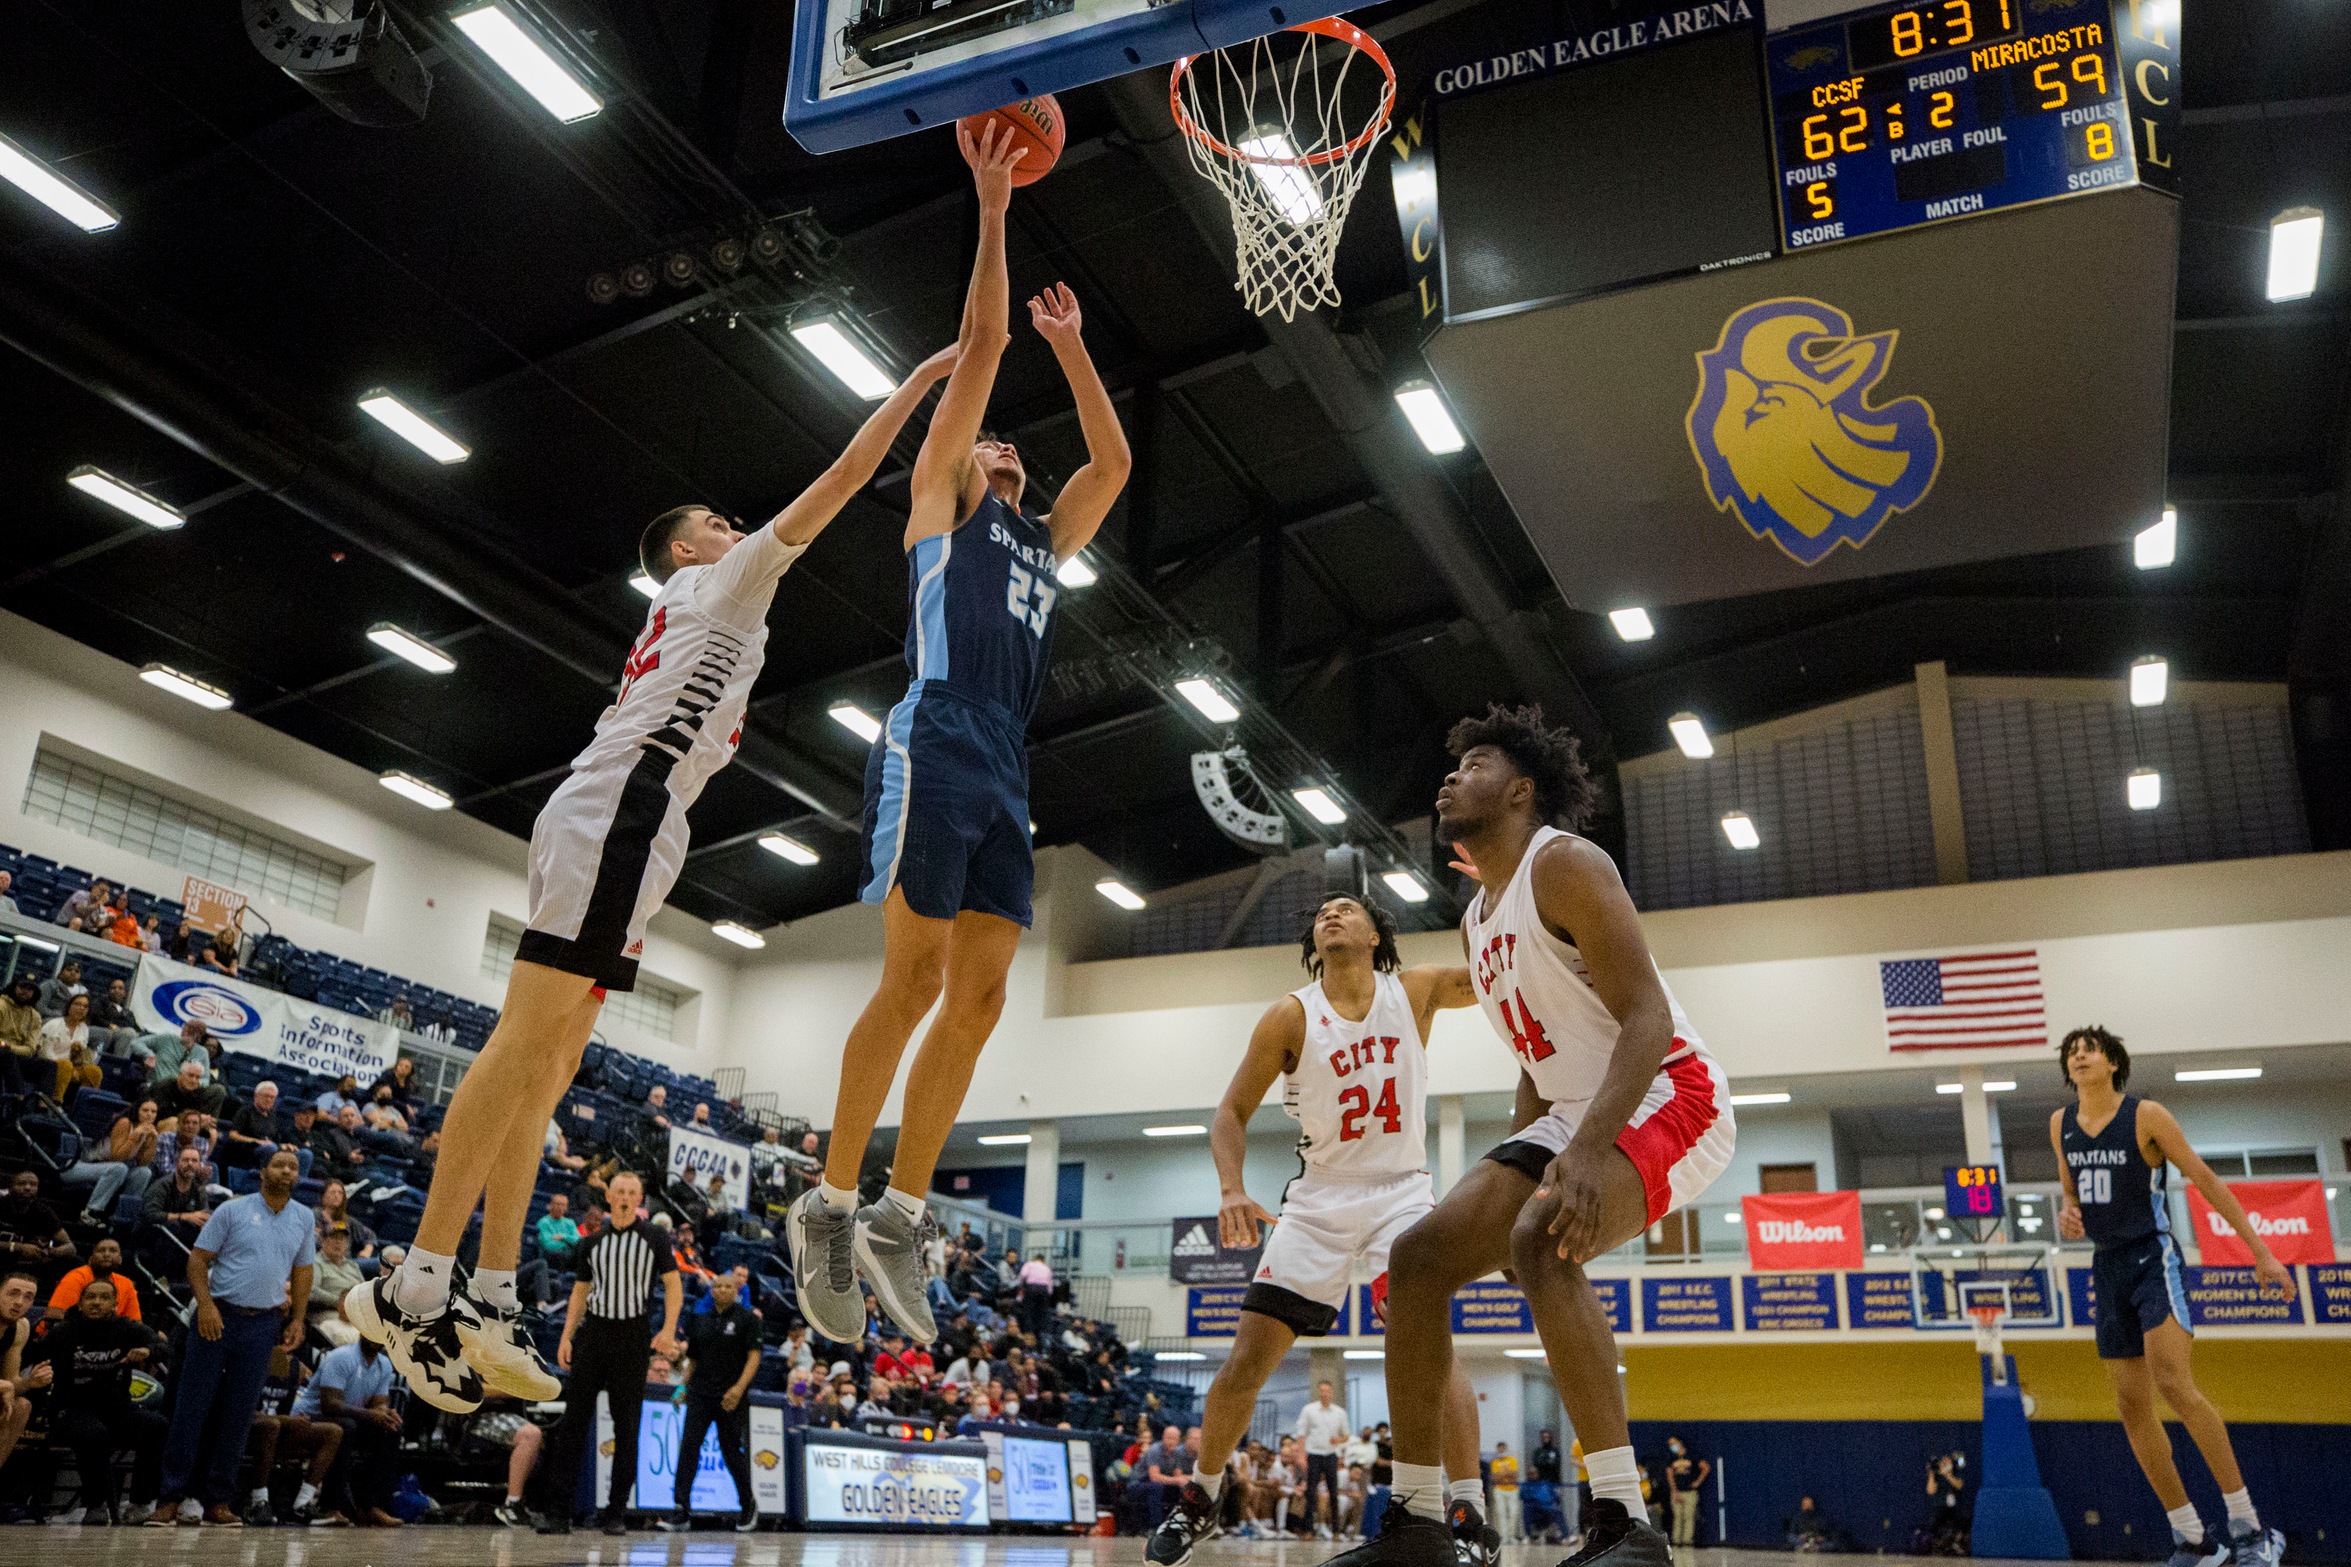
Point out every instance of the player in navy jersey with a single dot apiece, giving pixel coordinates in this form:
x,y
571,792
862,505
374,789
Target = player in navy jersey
x,y
946,839
2113,1148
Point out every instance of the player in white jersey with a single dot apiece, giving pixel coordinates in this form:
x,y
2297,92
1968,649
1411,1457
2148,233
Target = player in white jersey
x,y
604,854
1622,1116
1351,1049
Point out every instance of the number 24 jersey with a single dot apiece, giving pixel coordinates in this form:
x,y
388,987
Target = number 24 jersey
x,y
1360,1090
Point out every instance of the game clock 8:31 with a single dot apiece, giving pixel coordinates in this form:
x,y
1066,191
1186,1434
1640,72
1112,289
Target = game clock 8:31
x,y
1872,41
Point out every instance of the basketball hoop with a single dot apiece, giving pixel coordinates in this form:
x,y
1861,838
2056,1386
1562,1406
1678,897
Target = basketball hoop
x,y
1988,1315
1275,125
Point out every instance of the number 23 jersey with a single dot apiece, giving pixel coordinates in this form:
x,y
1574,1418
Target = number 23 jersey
x,y
1359,1092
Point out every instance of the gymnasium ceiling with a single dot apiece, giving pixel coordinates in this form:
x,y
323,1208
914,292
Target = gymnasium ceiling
x,y
274,262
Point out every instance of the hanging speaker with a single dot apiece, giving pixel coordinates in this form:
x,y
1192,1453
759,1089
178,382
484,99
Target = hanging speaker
x,y
637,279
359,67
1237,802
603,288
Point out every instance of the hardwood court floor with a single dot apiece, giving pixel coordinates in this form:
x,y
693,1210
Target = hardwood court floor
x,y
45,1546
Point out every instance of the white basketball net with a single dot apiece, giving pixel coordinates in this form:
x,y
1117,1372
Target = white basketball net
x,y
1272,124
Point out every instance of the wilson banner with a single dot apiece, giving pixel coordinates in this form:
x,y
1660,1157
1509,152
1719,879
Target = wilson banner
x,y
2290,1215
1793,1231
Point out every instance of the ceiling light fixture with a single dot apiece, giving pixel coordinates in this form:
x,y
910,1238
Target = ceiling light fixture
x,y
2150,681
1177,1354
1318,804
1760,1099
1363,1354
2294,236
2004,1085
784,848
741,935
524,58
1275,163
1689,732
1739,828
1406,886
1431,420
838,352
128,499
1119,893
2217,1074
857,721
2158,544
415,649
1523,1354
644,584
2144,789
186,687
413,427
1186,1130
410,787
1076,573
54,191
1633,625
1211,702
1005,1140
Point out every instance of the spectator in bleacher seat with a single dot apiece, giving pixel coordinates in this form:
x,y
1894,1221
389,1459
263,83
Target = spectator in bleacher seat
x,y
383,1126
400,1078
65,1044
701,1121
334,1207
423,1158
105,1265
167,1053
333,1275
345,1092
186,1093
557,1152
189,1129
121,1166
77,906
352,1388
94,1352
19,1290
31,1235
335,1142
252,1133
398,1014
61,987
20,1033
280,1435
657,1105
219,955
559,1233
250,1272
180,1203
124,931
502,1423
114,1029
8,903
151,935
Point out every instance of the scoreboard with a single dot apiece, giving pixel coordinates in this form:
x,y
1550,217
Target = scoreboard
x,y
1915,113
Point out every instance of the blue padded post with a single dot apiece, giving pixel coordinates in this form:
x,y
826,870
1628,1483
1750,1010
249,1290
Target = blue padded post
x,y
2014,1514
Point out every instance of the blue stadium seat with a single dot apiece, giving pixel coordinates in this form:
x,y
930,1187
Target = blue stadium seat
x,y
93,1110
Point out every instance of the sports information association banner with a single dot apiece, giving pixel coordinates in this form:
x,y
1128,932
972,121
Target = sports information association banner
x,y
2290,1215
697,1154
279,1028
1802,1231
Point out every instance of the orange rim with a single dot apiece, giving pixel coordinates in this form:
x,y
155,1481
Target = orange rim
x,y
1345,32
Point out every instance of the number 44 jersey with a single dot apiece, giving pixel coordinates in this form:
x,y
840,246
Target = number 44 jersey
x,y
1360,1090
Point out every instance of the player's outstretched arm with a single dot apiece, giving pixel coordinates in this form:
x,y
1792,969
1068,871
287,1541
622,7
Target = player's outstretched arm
x,y
853,470
1436,987
1577,889
2158,1126
1273,1048
943,469
1085,500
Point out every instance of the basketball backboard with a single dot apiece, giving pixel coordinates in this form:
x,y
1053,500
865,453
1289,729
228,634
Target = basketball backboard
x,y
866,70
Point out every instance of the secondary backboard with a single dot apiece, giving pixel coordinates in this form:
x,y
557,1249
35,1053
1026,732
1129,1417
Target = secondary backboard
x,y
867,70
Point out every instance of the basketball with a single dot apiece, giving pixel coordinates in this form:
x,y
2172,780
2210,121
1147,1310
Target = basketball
x,y
1037,123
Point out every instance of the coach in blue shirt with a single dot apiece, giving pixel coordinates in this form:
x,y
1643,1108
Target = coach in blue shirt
x,y
251,1275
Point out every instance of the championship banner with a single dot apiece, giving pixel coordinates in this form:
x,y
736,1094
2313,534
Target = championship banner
x,y
697,1154
1789,1302
1697,1304
267,1023
1492,1306
1880,1300
1791,1231
2290,1215
1213,1310
2330,1295
2234,1297
1195,1255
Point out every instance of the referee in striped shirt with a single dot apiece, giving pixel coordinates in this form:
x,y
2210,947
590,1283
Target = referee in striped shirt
x,y
606,1349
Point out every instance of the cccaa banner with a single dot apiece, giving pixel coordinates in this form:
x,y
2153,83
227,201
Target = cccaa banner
x,y
1792,1231
266,1023
2290,1215
699,1155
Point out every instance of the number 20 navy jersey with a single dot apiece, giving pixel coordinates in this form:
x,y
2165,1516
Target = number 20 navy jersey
x,y
979,612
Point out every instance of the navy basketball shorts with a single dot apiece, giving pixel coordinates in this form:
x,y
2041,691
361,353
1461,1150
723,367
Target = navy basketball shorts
x,y
947,809
2138,1287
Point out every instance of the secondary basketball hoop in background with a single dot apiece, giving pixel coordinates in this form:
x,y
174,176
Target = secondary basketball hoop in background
x,y
1284,126
1987,1304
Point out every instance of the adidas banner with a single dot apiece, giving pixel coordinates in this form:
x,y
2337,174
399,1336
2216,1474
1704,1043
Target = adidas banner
x,y
1195,1257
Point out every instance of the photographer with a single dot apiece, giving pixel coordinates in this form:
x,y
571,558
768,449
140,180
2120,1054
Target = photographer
x,y
1947,1516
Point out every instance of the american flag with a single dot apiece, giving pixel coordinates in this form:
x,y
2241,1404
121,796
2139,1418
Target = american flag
x,y
1977,999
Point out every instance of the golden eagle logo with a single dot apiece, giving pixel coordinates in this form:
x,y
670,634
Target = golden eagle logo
x,y
1786,437
767,1458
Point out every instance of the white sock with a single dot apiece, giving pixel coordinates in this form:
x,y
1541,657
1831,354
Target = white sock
x,y
259,1498
422,1285
1213,1484
1470,1491
307,1495
835,1198
2186,1524
2240,1505
1618,1479
1420,1488
1281,1512
905,1203
496,1286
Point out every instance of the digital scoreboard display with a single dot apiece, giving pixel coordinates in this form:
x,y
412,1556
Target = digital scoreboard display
x,y
1972,1191
1901,115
